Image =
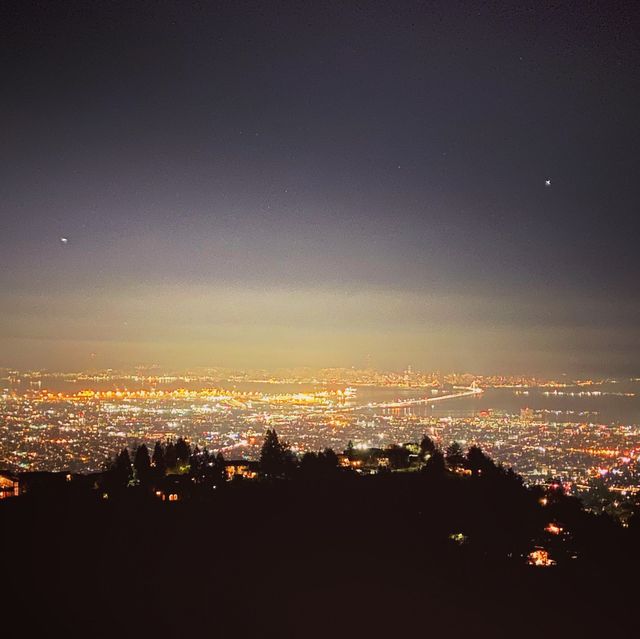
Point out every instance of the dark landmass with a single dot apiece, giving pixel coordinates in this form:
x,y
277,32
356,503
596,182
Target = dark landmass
x,y
426,553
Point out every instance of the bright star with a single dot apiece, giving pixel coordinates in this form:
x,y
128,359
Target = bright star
x,y
64,240
547,182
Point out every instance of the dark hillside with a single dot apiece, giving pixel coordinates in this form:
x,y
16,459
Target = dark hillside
x,y
350,556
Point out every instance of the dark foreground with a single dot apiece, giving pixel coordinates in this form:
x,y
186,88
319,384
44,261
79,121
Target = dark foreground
x,y
349,557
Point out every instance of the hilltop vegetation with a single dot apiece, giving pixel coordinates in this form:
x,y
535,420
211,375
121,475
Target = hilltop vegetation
x,y
313,549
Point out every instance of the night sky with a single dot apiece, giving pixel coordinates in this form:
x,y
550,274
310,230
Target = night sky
x,y
321,183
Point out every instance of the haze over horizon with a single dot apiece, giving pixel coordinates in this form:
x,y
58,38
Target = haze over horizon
x,y
244,184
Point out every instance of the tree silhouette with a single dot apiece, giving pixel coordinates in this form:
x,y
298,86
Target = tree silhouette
x,y
435,466
183,451
479,463
322,465
220,470
427,447
197,463
455,456
330,459
398,456
122,469
142,463
275,457
349,450
309,465
158,460
170,456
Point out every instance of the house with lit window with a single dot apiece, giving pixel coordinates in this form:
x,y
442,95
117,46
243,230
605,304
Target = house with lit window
x,y
174,488
9,485
364,460
241,468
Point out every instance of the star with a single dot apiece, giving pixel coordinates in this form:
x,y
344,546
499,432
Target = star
x,y
64,240
547,182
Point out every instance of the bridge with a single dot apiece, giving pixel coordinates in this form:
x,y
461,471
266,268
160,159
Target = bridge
x,y
465,391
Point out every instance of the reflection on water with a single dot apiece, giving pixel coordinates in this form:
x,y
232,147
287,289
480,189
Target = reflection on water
x,y
595,409
612,406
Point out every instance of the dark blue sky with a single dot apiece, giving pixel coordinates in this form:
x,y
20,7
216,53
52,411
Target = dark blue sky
x,y
312,183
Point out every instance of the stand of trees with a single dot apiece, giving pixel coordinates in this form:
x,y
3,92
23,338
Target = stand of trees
x,y
168,458
277,462
391,553
140,471
276,459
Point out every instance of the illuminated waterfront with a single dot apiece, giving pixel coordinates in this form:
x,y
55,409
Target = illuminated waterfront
x,y
573,432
